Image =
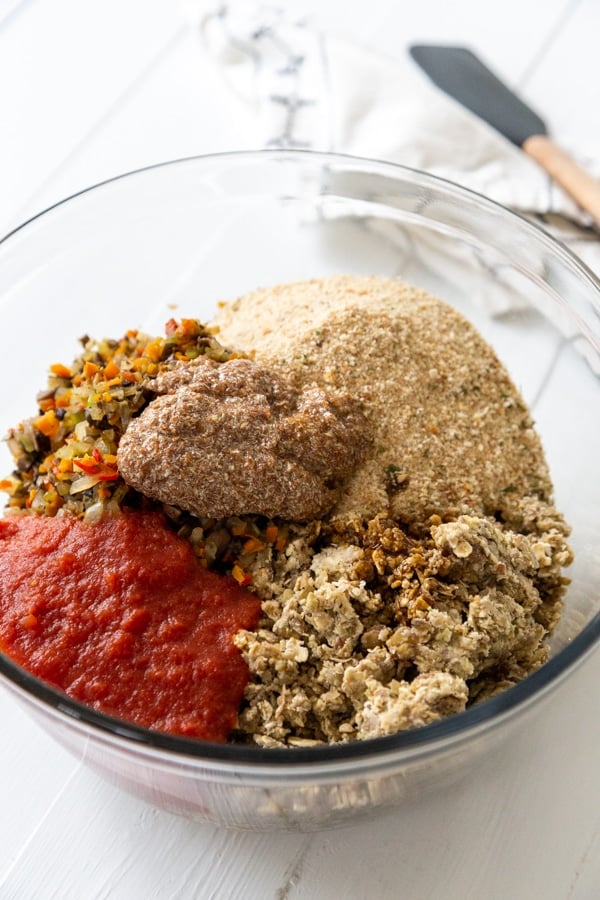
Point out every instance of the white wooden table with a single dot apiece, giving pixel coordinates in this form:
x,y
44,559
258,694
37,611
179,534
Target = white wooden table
x,y
90,90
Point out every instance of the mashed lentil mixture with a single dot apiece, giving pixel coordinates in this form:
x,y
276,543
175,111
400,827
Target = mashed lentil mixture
x,y
424,574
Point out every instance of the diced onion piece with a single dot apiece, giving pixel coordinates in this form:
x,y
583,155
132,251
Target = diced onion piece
x,y
84,483
94,513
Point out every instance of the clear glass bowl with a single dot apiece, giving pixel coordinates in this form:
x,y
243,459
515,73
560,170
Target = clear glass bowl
x,y
195,231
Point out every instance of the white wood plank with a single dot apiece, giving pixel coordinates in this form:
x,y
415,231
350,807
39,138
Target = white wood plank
x,y
507,35
179,109
33,770
67,62
565,85
140,852
9,9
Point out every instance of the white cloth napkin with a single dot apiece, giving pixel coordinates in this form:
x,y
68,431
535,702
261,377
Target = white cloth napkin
x,y
310,90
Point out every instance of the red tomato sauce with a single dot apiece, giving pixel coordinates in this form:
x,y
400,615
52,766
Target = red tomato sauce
x,y
120,616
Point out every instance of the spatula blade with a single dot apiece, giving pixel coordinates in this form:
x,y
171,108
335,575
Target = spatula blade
x,y
460,73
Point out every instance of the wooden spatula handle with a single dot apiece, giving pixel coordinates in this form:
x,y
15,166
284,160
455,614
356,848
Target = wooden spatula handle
x,y
582,187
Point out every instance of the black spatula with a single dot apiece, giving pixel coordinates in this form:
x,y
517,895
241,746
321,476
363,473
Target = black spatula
x,y
460,73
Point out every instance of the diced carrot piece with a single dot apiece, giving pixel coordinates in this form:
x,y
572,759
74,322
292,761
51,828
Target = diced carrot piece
x,y
90,369
253,545
60,371
46,403
62,401
111,369
271,533
242,578
48,424
154,350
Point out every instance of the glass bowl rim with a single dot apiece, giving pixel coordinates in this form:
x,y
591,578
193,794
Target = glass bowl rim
x,y
427,738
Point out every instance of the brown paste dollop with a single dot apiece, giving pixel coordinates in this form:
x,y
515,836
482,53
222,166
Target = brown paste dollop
x,y
235,438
